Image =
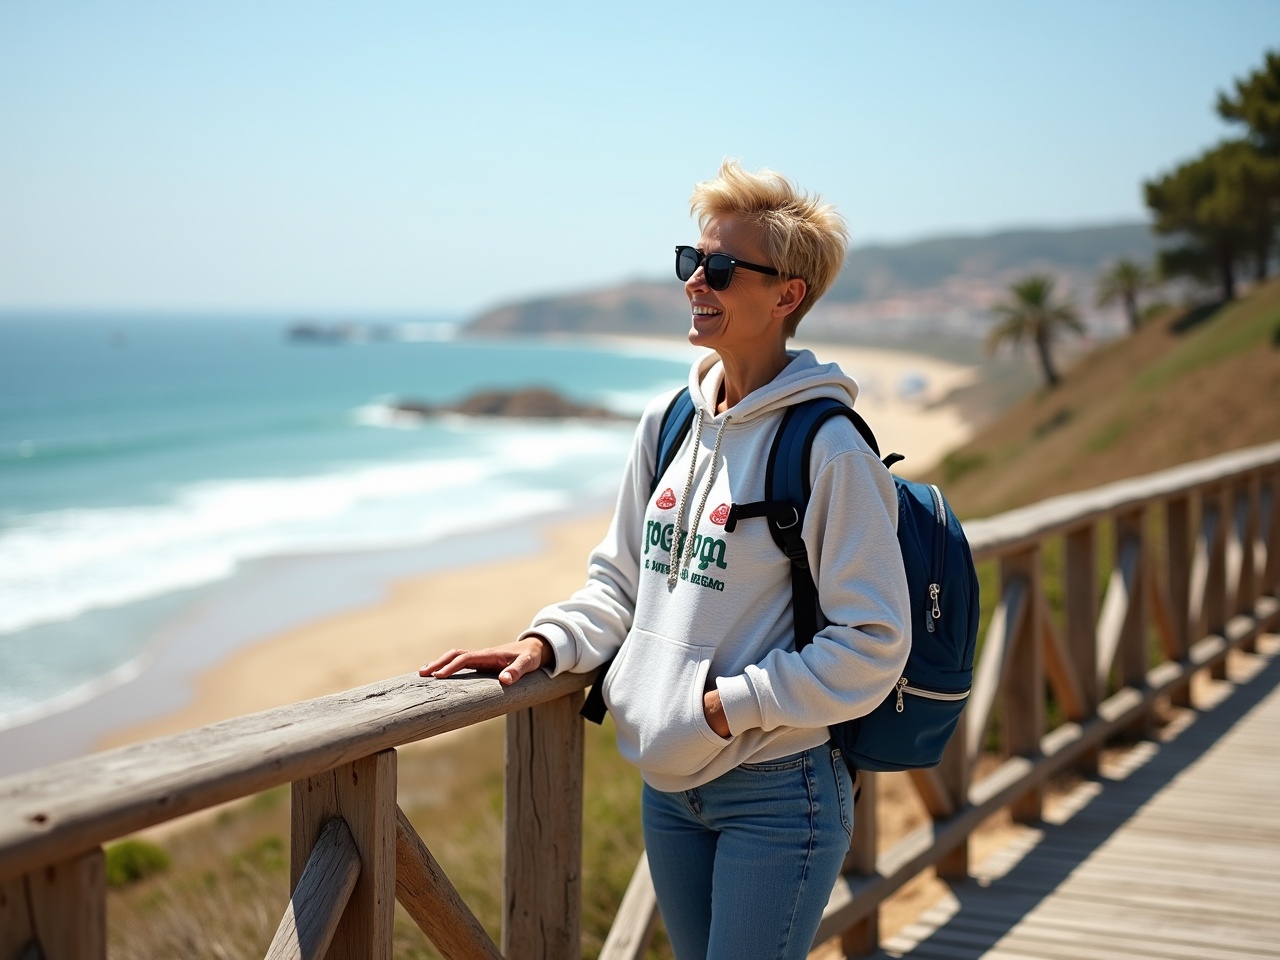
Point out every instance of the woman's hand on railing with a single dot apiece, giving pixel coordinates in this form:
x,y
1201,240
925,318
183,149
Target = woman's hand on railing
x,y
511,661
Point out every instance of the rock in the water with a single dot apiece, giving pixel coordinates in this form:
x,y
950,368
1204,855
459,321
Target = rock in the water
x,y
530,402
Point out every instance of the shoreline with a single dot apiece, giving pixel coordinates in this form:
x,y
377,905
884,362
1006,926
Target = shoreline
x,y
420,617
201,629
400,618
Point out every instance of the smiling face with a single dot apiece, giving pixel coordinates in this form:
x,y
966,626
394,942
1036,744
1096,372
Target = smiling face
x,y
744,317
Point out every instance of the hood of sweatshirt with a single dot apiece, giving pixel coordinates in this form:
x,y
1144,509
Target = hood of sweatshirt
x,y
802,379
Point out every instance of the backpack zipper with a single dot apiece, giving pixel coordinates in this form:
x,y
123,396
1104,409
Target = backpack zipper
x,y
934,611
904,686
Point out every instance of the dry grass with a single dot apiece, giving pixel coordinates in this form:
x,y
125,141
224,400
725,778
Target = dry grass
x,y
1190,384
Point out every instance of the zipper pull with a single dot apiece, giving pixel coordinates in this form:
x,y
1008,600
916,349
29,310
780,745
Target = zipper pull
x,y
935,591
902,685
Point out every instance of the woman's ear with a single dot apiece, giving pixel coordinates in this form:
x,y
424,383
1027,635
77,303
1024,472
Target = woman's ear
x,y
789,297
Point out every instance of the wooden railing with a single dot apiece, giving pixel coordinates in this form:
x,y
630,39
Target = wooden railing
x,y
1192,564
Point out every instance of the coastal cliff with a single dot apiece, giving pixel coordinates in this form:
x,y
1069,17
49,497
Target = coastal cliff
x,y
901,292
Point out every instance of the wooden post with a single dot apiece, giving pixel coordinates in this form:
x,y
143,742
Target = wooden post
x,y
362,793
1271,531
1250,530
1198,581
1216,516
637,915
59,910
863,937
955,773
320,896
1007,621
542,892
1022,720
1233,506
1178,544
1082,621
426,894
1132,661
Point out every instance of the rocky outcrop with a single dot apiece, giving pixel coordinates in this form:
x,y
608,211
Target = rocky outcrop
x,y
308,331
531,402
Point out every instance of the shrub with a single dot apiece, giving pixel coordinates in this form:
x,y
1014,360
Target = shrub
x,y
957,463
132,860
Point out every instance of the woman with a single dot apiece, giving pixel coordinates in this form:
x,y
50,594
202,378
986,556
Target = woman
x,y
747,809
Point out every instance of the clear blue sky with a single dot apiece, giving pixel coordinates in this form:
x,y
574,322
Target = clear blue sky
x,y
443,157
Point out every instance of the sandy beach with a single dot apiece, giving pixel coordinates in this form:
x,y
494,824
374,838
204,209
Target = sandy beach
x,y
483,603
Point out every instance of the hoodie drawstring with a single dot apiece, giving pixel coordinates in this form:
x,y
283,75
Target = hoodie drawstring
x,y
687,538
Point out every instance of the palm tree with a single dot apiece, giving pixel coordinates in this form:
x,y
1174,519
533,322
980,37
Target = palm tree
x,y
1122,282
1031,314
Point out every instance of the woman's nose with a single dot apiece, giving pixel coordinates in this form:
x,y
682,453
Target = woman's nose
x,y
698,281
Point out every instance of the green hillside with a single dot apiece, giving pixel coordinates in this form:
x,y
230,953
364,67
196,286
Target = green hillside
x,y
1190,384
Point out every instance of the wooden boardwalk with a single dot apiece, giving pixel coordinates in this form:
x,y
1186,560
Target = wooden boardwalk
x,y
1176,856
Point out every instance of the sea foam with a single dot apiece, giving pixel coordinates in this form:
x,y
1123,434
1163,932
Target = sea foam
x,y
59,564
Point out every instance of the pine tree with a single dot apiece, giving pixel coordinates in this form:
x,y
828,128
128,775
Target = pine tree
x,y
1224,206
1256,104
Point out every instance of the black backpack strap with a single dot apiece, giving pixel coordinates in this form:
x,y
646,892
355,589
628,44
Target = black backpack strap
x,y
786,489
675,427
788,481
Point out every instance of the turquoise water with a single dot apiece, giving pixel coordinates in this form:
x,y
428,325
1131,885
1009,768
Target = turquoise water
x,y
144,459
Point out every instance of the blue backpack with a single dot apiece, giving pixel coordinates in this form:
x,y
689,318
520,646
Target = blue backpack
x,y
910,728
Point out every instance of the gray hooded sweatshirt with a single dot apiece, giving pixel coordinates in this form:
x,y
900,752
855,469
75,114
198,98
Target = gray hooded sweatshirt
x,y
724,617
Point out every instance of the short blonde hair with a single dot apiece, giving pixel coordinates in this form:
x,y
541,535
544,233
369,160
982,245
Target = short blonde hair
x,y
802,236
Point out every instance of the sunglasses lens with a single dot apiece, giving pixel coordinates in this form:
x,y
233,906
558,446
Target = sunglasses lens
x,y
686,262
719,270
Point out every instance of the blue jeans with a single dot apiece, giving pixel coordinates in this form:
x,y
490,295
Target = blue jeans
x,y
743,865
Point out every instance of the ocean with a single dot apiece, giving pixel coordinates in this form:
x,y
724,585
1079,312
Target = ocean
x,y
149,462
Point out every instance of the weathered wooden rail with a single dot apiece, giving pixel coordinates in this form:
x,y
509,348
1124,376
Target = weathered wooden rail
x,y
1192,563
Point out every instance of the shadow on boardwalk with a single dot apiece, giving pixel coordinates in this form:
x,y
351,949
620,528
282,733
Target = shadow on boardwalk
x,y
1172,855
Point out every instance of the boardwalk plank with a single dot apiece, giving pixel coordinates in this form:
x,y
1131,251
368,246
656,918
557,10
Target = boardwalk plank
x,y
1174,858
1035,941
1109,877
1246,916
1178,859
1186,942
1161,927
1192,933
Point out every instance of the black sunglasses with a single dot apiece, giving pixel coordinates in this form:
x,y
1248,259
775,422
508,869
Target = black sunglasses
x,y
717,267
